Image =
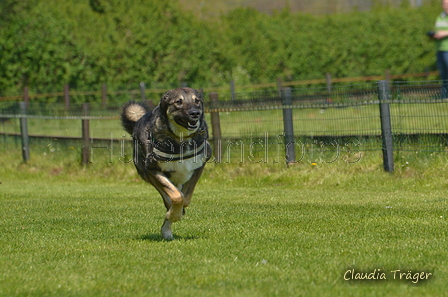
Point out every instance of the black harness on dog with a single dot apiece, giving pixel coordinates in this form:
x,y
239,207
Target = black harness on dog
x,y
166,151
162,155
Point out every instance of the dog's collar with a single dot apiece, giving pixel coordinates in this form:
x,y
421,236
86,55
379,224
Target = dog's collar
x,y
199,131
162,156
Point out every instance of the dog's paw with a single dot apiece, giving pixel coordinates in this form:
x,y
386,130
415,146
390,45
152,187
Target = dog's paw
x,y
167,234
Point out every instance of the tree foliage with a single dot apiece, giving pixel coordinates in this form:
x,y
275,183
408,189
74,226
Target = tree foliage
x,y
45,44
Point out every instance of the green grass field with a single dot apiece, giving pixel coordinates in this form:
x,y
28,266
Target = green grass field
x,y
253,229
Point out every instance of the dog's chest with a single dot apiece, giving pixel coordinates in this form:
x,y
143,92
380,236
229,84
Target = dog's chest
x,y
181,171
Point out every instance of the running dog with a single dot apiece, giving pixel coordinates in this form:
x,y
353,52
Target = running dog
x,y
170,148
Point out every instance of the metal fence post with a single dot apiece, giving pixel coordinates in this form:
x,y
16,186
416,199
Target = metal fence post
x,y
216,128
232,89
386,127
85,151
288,126
26,96
24,132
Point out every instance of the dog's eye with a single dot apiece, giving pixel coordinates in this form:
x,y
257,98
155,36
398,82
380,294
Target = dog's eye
x,y
179,101
197,101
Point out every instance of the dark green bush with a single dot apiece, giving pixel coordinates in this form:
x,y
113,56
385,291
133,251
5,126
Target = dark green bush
x,y
45,44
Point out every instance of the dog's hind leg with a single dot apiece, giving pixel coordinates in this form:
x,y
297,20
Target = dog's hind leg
x,y
188,187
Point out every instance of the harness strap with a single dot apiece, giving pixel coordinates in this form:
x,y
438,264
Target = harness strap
x,y
162,156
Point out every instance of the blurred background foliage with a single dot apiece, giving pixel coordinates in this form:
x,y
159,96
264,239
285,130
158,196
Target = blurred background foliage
x,y
45,44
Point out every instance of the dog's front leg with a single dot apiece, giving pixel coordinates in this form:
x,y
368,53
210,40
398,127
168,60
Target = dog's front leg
x,y
176,198
173,199
167,233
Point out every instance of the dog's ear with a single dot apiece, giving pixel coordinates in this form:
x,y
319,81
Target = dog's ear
x,y
164,101
198,94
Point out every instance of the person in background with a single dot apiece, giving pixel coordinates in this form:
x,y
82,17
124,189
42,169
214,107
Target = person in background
x,y
441,37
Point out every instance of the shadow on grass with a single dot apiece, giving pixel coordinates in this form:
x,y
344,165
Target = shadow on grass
x,y
158,238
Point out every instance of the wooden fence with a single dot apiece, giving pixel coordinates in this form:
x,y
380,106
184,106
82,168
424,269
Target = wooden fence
x,y
381,94
328,80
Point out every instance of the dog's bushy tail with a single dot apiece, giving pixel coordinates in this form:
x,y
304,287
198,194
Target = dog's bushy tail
x,y
131,112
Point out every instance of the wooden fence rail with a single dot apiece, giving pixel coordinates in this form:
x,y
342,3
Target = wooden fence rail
x,y
279,84
382,96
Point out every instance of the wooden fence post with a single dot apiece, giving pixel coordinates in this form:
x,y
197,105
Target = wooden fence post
x,y
329,87
329,82
24,132
288,126
387,74
104,95
386,127
85,151
216,128
279,86
142,91
67,97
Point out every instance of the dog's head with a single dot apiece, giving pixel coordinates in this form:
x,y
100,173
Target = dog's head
x,y
184,110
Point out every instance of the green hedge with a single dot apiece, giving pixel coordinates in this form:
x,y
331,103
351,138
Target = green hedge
x,y
45,44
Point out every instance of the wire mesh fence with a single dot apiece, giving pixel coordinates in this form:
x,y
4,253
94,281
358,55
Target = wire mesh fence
x,y
331,122
328,123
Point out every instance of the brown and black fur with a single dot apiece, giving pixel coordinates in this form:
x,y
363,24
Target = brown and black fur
x,y
176,127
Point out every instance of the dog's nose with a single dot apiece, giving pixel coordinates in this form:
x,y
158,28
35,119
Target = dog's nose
x,y
195,114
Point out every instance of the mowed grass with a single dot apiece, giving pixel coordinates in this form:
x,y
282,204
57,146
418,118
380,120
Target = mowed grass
x,y
252,230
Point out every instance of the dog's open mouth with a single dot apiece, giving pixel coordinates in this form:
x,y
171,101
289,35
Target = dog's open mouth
x,y
190,125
